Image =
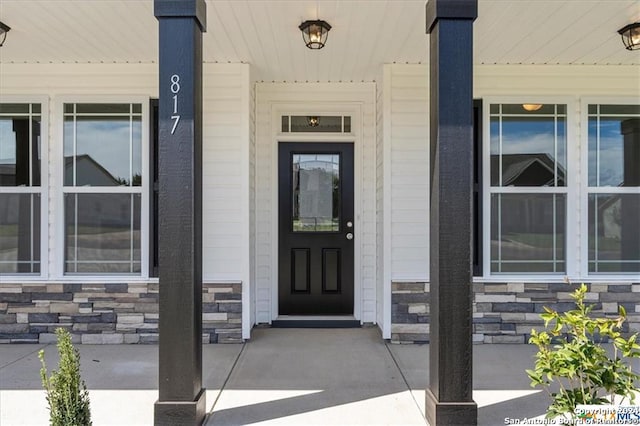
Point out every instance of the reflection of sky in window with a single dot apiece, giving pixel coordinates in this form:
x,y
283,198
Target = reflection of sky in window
x,y
329,163
527,136
495,136
106,141
611,152
7,142
8,139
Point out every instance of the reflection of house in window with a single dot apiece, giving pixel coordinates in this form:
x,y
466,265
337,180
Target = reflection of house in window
x,y
609,217
7,175
91,173
20,209
527,170
14,171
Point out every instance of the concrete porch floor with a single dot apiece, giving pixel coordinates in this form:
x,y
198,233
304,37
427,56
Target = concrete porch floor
x,y
282,376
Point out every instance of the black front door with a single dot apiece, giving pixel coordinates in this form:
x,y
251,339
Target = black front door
x,y
316,228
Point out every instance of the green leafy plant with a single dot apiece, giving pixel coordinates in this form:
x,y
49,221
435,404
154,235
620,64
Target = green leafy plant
x,y
571,358
67,393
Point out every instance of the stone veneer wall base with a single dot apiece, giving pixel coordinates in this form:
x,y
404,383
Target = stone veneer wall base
x,y
506,312
108,313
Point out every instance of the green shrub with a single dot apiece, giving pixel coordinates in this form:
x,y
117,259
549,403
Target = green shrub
x,y
571,357
67,393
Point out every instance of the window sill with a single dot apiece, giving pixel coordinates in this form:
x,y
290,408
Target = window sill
x,y
89,279
609,279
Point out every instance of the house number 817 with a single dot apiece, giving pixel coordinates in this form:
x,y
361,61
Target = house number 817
x,y
175,89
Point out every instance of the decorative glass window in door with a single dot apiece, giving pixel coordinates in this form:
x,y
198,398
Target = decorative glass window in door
x,y
316,192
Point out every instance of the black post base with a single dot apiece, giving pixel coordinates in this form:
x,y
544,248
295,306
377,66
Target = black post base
x,y
181,412
450,413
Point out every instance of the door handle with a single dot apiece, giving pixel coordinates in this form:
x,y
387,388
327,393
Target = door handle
x,y
349,236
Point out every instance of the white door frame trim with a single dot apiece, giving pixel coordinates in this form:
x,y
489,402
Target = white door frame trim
x,y
354,109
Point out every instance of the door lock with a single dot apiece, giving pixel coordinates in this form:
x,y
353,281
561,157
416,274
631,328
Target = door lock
x,y
349,236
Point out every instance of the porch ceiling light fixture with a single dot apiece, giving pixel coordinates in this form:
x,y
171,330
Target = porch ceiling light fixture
x,y
314,33
531,107
4,29
314,121
631,36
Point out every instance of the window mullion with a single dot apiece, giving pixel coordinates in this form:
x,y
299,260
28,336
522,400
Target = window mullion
x,y
30,162
131,215
131,145
500,181
75,154
598,145
31,221
75,230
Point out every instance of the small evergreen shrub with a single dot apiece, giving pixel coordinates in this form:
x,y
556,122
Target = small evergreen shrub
x,y
67,393
569,356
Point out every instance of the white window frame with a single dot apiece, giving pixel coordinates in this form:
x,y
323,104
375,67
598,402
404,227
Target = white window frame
x,y
43,190
585,189
570,189
58,166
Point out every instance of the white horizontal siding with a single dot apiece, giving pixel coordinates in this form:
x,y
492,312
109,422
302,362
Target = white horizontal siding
x,y
226,180
409,164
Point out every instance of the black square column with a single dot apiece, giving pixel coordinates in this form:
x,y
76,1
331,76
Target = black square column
x,y
181,397
449,399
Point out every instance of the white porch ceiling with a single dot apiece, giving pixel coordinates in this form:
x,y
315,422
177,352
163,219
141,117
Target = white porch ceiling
x,y
365,34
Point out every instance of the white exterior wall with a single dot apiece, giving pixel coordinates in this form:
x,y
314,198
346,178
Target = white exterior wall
x,y
226,117
405,87
274,99
409,171
227,108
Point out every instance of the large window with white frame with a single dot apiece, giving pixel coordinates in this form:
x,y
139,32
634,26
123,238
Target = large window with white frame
x,y
613,188
526,177
103,188
22,179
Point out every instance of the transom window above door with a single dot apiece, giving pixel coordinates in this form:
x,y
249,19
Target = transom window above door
x,y
316,124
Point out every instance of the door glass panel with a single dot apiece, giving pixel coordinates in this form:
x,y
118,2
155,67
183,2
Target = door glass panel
x,y
316,192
